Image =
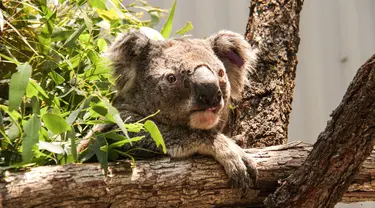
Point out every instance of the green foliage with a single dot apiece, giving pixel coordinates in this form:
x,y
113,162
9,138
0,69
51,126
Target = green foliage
x,y
188,26
54,69
18,84
151,127
167,29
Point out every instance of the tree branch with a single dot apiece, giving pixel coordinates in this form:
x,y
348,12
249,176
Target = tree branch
x,y
339,152
193,182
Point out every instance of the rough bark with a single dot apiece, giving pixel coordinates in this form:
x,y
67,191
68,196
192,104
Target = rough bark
x,y
193,182
339,152
262,117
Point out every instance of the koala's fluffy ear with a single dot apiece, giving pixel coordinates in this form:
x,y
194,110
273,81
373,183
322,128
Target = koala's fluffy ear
x,y
129,53
237,56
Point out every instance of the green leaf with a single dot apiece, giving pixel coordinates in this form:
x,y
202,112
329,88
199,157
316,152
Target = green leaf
x,y
18,84
99,4
93,56
38,87
125,141
102,156
31,91
155,18
112,111
60,35
114,136
31,129
73,115
14,115
46,33
57,78
87,20
73,145
51,147
101,110
55,123
102,45
167,28
109,15
33,88
151,127
86,155
188,26
35,105
70,41
134,127
13,132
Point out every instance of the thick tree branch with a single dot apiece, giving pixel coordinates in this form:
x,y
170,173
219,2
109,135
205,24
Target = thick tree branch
x,y
193,182
339,152
263,115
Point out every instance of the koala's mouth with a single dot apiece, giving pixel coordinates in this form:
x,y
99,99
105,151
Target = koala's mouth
x,y
214,110
206,118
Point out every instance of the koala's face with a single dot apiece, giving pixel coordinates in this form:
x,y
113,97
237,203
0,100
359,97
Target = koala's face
x,y
189,80
190,83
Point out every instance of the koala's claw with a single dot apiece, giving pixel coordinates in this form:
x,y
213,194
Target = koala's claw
x,y
242,172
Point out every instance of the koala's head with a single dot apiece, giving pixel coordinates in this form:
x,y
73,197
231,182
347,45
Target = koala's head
x,y
189,80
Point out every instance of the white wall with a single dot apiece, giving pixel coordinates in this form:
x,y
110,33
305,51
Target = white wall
x,y
337,36
336,39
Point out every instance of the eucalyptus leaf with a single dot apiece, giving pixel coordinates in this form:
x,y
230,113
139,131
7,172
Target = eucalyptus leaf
x,y
167,28
18,84
33,89
55,123
51,147
112,111
188,26
13,132
73,145
109,15
123,142
45,36
70,41
102,44
97,4
101,143
57,78
74,114
151,127
31,138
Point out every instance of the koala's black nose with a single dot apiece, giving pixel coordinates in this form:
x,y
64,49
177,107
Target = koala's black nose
x,y
206,87
208,95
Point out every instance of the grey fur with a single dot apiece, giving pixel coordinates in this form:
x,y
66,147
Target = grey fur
x,y
143,66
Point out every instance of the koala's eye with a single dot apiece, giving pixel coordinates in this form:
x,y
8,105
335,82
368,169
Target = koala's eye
x,y
221,73
171,78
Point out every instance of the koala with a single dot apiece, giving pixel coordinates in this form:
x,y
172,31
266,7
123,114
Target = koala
x,y
192,82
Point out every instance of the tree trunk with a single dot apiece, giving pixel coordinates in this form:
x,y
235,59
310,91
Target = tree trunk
x,y
339,152
193,182
262,117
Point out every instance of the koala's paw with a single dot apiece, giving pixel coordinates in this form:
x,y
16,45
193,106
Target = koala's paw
x,y
243,173
240,168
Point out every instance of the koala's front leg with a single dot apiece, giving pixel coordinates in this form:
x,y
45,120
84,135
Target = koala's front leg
x,y
240,168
